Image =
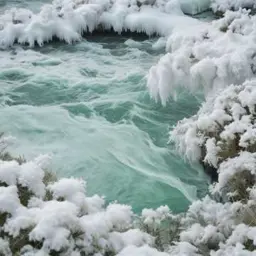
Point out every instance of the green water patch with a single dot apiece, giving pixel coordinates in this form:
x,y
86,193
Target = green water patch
x,y
79,109
88,72
13,74
42,91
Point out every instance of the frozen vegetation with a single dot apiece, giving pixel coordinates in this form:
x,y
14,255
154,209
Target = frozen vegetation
x,y
40,215
208,57
224,5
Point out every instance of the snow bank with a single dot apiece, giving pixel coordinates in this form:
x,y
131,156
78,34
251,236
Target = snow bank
x,y
68,20
224,5
196,59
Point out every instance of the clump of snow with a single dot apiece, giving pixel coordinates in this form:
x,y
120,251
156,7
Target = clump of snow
x,y
28,175
150,216
196,59
71,189
9,200
246,161
224,5
4,247
142,251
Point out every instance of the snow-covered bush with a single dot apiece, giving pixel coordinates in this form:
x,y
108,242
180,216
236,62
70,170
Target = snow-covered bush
x,y
222,136
162,225
67,223
224,126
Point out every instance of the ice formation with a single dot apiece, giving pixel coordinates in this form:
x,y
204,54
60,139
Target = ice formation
x,y
207,58
68,20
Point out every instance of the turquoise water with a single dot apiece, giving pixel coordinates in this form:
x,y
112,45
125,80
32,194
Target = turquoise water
x,y
87,106
33,5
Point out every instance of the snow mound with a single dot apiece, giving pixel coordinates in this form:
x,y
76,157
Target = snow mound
x,y
196,59
68,20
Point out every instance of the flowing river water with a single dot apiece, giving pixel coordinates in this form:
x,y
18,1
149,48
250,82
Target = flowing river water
x,y
87,106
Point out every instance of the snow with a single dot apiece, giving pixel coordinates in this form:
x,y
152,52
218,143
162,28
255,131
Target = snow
x,y
31,176
28,175
184,248
9,172
71,189
246,161
222,133
52,230
133,237
150,216
4,247
142,251
212,150
9,200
